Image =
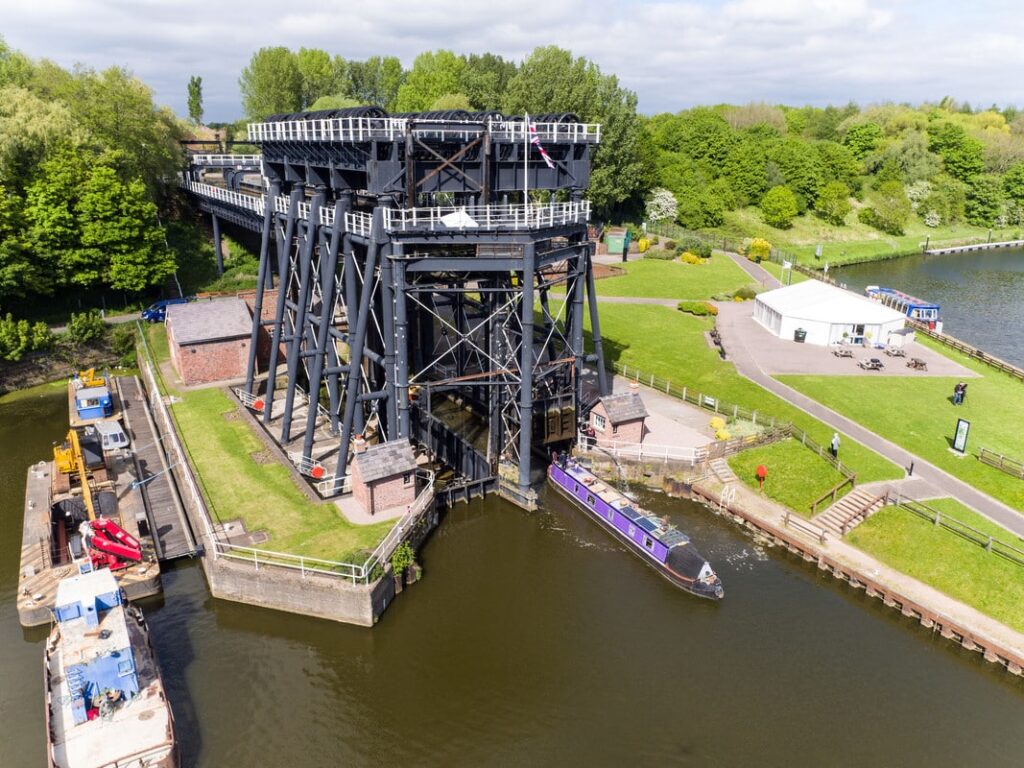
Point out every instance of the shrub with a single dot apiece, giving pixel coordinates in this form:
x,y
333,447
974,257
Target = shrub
x,y
123,343
759,249
833,203
891,209
779,207
696,246
745,293
661,205
866,216
660,255
85,327
932,219
670,245
699,308
691,258
655,239
18,337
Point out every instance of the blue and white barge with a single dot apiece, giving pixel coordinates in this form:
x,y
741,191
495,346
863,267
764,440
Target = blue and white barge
x,y
666,549
914,308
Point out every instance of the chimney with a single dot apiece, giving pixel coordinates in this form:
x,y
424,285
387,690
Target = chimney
x,y
358,444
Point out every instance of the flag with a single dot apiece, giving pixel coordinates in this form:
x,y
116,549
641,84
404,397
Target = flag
x,y
535,140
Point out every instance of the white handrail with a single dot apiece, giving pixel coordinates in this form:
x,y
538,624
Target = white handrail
x,y
642,450
226,161
486,217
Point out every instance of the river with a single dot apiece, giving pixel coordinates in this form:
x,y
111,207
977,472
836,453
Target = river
x,y
981,293
535,640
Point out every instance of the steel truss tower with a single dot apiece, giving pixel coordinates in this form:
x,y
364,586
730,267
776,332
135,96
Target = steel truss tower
x,y
411,288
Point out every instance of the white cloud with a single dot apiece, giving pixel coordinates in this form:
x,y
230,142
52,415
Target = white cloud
x,y
674,54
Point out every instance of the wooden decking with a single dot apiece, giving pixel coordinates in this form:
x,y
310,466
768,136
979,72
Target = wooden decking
x,y
171,532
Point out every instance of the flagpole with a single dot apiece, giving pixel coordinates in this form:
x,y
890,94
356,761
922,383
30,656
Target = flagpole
x,y
526,160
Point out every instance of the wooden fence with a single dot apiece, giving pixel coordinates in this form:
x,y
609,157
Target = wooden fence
x,y
1005,463
965,531
967,349
833,492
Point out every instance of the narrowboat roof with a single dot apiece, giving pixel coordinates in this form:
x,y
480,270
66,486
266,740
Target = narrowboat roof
x,y
655,526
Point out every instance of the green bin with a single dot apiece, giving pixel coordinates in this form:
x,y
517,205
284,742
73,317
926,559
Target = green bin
x,y
800,335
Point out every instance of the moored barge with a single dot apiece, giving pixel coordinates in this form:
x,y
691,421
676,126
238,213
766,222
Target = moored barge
x,y
105,700
662,546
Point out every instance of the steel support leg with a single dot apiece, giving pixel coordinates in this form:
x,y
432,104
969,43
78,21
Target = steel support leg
x,y
257,308
284,246
299,325
595,328
401,350
526,370
387,286
576,332
217,244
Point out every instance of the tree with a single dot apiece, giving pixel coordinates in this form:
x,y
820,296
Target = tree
x,y
891,208
319,74
52,230
484,80
452,101
551,80
271,84
433,75
30,130
801,168
837,163
962,155
120,233
15,67
746,169
333,102
833,202
195,99
779,208
18,270
984,200
862,139
1013,183
376,81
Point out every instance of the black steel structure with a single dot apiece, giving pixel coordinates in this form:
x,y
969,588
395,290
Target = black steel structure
x,y
414,286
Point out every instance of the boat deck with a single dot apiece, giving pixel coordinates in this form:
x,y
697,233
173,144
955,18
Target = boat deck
x,y
77,421
171,532
141,729
39,576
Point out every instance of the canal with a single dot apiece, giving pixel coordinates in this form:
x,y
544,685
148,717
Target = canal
x,y
980,293
535,640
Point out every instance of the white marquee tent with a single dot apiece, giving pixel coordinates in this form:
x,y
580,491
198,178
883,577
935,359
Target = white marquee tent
x,y
828,315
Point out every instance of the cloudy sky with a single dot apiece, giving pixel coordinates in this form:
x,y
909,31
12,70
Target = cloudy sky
x,y
673,54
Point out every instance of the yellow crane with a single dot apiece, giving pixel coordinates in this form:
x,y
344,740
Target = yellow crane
x,y
68,459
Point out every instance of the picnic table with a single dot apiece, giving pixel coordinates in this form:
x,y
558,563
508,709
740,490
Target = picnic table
x,y
842,352
895,352
871,364
917,364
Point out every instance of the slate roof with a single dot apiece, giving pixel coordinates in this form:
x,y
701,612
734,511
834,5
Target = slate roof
x,y
385,460
216,320
623,407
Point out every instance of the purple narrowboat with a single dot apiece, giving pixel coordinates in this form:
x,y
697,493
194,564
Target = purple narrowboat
x,y
668,550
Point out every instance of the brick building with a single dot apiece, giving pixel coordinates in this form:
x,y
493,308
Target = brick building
x,y
619,418
209,340
384,476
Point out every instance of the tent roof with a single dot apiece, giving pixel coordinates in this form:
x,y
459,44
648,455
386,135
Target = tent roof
x,y
815,300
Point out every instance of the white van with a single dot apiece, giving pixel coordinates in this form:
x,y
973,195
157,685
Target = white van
x,y
112,435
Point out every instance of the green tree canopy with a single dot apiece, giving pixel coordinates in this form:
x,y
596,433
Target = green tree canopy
x,y
434,74
195,99
320,75
376,81
779,208
271,84
891,208
984,200
833,203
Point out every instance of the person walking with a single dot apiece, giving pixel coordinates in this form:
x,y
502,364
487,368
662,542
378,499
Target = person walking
x,y
834,446
957,390
963,392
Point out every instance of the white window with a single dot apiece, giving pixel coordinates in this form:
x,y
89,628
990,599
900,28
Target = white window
x,y
599,422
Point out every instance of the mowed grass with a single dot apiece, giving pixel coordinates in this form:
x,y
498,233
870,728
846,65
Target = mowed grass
x,y
263,495
671,345
653,278
939,557
797,476
916,413
775,270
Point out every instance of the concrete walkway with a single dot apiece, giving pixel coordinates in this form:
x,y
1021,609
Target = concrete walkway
x,y
756,271
944,483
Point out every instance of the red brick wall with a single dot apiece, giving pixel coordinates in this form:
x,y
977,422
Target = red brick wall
x,y
210,361
626,432
383,494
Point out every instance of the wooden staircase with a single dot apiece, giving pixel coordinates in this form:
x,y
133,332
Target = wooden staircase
x,y
850,511
723,471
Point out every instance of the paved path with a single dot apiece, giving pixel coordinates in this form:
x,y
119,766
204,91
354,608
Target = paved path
x,y
943,482
756,271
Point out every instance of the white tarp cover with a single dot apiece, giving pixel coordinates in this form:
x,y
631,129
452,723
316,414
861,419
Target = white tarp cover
x,y
813,300
459,220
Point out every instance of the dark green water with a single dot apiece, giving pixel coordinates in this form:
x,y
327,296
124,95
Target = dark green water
x,y
535,640
981,293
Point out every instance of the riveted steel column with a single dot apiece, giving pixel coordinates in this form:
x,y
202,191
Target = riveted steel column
x,y
576,332
352,316
401,346
217,244
595,328
299,323
328,282
356,342
526,370
284,246
257,307
387,285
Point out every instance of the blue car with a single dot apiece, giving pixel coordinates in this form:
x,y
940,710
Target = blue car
x,y
157,312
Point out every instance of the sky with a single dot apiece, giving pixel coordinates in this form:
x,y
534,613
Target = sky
x,y
672,54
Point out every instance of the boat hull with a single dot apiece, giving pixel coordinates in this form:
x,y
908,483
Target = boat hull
x,y
708,592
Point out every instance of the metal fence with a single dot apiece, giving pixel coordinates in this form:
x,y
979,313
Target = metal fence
x,y
486,217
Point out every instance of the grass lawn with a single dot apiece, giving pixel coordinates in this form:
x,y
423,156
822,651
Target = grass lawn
x,y
797,476
775,270
946,561
671,345
264,495
658,279
916,413
851,242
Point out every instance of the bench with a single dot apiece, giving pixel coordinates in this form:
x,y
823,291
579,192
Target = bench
x,y
917,364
